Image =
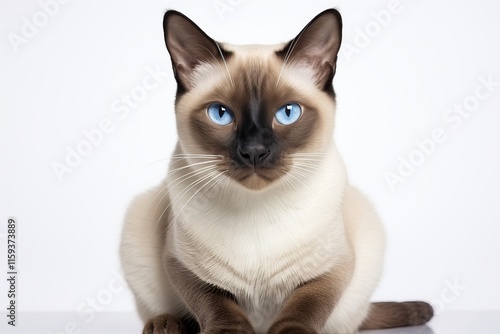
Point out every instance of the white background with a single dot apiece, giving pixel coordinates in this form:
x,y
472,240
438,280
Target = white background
x,y
442,221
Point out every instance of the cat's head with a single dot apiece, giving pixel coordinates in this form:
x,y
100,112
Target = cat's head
x,y
259,110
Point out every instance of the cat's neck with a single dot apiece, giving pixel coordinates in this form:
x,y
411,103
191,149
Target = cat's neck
x,y
322,187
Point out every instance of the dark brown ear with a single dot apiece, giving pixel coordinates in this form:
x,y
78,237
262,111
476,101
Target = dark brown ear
x,y
316,46
189,47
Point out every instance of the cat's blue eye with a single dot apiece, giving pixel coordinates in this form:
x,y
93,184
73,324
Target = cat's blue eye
x,y
288,114
220,114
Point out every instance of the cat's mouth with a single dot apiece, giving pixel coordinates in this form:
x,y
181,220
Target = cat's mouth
x,y
256,178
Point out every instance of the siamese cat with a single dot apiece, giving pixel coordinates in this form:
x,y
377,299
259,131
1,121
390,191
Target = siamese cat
x,y
256,228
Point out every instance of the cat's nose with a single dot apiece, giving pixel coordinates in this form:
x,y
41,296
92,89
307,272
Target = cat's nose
x,y
254,154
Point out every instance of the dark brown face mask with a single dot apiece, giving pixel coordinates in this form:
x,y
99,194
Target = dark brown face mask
x,y
253,119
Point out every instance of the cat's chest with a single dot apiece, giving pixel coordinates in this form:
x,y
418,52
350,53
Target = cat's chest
x,y
258,252
261,257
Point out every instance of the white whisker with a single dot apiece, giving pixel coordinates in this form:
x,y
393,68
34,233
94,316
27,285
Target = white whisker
x,y
214,185
288,55
196,192
216,60
307,165
152,163
173,171
302,181
185,191
183,155
224,189
176,182
308,154
225,63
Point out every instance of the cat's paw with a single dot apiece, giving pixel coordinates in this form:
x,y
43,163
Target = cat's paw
x,y
229,330
291,328
236,328
164,324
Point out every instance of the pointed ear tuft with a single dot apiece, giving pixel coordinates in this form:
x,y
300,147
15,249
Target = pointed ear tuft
x,y
316,47
189,47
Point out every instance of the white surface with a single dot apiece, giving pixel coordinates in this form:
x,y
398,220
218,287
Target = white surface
x,y
455,322
442,222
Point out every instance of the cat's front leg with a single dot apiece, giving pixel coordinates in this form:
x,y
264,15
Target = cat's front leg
x,y
216,310
308,308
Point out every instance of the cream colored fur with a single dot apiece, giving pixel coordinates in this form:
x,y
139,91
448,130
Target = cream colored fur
x,y
258,245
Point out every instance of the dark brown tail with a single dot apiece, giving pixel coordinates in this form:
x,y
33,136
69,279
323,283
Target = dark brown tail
x,y
389,315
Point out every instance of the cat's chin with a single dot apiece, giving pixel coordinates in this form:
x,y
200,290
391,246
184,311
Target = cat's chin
x,y
256,181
